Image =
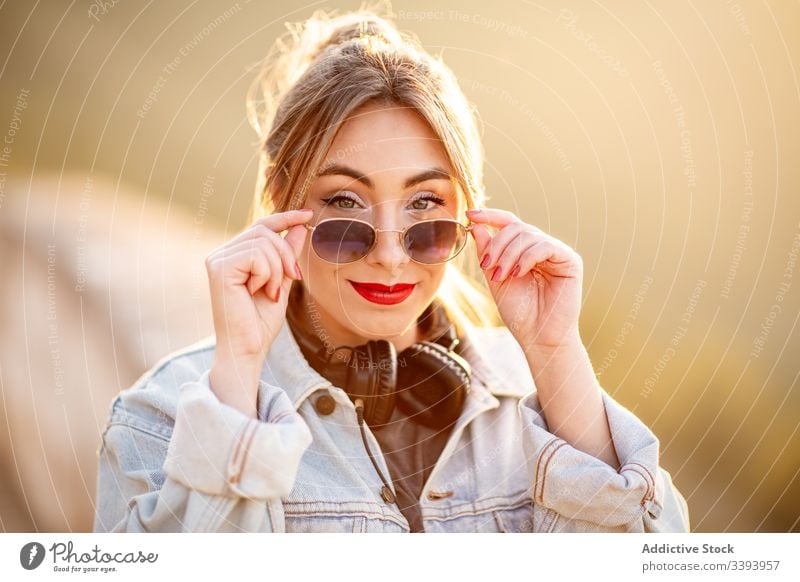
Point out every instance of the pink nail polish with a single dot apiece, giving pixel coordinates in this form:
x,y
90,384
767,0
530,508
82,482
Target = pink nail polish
x,y
485,261
496,274
515,272
297,270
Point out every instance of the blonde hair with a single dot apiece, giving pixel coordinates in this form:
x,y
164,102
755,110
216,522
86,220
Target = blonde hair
x,y
320,72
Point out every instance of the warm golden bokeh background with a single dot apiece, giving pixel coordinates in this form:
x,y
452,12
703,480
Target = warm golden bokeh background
x,y
659,139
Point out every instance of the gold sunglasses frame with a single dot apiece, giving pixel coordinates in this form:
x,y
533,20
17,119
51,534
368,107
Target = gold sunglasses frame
x,y
400,234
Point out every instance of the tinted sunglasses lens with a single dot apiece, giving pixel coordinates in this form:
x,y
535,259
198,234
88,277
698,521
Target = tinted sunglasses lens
x,y
342,241
435,241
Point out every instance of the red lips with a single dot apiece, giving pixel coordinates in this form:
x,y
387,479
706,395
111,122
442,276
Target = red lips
x,y
384,294
385,288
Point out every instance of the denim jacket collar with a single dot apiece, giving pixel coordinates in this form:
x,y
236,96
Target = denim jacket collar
x,y
285,366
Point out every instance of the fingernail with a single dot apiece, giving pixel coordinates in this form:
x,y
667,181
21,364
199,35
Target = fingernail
x,y
278,295
297,270
515,272
306,210
485,261
473,211
496,273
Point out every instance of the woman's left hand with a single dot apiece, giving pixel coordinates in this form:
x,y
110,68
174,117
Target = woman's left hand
x,y
535,279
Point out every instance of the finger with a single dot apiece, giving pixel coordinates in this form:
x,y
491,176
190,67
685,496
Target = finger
x,y
280,221
543,251
266,239
507,235
286,253
286,286
261,271
235,244
261,254
296,237
509,257
482,238
249,266
253,231
276,277
492,216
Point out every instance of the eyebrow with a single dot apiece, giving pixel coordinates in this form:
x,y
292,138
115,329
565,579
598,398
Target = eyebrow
x,y
435,173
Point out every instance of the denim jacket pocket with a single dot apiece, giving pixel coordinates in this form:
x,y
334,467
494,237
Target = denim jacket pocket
x,y
326,524
516,519
349,517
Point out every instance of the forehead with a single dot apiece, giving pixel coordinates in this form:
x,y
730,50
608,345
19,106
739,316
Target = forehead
x,y
389,138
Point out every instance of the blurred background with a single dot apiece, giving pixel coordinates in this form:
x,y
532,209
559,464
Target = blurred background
x,y
658,139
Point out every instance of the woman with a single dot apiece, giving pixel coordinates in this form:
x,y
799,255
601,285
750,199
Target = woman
x,y
357,380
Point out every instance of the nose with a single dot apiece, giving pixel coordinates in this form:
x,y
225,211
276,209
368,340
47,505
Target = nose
x,y
388,250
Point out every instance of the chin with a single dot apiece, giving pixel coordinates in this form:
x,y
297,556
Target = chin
x,y
379,326
376,321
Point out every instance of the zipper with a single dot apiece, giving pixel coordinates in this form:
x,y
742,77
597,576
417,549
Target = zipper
x,y
386,491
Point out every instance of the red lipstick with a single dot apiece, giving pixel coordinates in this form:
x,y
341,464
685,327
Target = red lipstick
x,y
384,294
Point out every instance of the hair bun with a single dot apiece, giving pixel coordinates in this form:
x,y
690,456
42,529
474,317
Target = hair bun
x,y
368,25
322,31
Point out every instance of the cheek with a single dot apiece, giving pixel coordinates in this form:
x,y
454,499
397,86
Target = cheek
x,y
430,279
436,273
319,274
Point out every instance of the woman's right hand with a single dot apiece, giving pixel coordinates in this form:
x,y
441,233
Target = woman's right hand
x,y
249,278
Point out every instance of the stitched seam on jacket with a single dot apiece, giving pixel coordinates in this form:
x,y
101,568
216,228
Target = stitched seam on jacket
x,y
236,463
536,481
246,452
522,494
221,508
629,467
327,514
150,375
114,405
481,512
202,519
135,421
549,519
282,415
547,464
371,514
651,483
140,429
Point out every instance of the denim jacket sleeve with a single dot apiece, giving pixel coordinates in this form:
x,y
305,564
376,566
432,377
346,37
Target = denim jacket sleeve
x,y
213,469
577,492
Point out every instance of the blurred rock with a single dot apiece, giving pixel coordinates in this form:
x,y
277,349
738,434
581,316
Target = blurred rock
x,y
99,282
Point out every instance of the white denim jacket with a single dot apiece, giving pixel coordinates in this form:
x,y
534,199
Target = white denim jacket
x,y
174,458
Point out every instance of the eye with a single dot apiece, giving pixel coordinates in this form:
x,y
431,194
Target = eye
x,y
424,199
349,202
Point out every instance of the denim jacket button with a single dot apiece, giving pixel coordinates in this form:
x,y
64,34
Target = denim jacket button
x,y
325,404
434,495
387,494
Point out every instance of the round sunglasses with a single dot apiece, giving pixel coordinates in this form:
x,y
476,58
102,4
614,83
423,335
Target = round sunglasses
x,y
430,242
